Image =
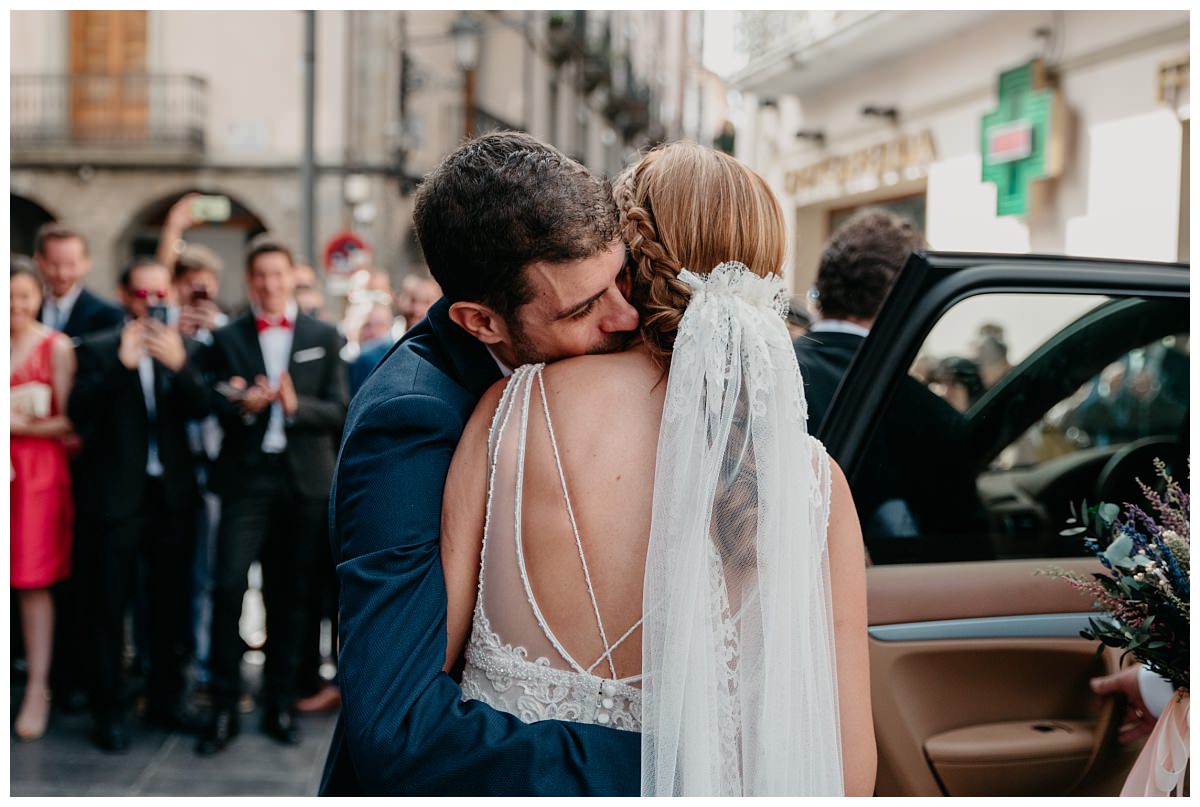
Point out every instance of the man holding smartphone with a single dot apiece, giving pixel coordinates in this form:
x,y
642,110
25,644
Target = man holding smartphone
x,y
135,390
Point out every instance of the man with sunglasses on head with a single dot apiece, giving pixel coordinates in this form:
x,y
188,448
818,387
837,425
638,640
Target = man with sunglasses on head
x,y
136,388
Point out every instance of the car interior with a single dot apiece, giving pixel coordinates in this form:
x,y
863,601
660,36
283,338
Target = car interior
x,y
979,676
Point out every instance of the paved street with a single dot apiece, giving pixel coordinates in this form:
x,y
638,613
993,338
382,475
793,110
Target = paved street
x,y
161,763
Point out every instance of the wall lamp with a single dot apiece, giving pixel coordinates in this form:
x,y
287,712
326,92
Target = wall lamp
x,y
814,136
888,112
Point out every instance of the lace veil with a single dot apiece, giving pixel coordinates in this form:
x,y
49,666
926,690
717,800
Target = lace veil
x,y
739,694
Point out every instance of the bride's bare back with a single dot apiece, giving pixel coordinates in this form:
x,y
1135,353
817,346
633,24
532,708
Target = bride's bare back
x,y
605,412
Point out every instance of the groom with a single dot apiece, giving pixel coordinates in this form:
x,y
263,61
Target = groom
x,y
524,242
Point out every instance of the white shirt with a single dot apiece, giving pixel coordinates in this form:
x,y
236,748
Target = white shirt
x,y
838,326
276,345
55,313
146,376
505,370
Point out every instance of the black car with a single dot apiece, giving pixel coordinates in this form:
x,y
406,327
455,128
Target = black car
x,y
1066,378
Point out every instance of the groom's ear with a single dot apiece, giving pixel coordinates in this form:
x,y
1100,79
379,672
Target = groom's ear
x,y
480,321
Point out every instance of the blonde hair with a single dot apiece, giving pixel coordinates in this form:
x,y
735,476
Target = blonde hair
x,y
686,206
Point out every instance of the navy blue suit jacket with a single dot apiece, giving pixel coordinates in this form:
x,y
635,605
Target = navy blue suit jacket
x,y
404,729
90,314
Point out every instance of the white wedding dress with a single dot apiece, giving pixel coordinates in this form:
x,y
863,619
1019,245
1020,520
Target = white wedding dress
x,y
738,693
514,662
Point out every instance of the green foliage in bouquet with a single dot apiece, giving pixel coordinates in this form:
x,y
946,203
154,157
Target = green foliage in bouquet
x,y
1146,593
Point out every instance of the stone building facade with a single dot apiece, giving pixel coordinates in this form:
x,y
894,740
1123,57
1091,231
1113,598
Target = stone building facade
x,y
116,114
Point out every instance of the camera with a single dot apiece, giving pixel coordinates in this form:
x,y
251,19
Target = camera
x,y
199,293
159,312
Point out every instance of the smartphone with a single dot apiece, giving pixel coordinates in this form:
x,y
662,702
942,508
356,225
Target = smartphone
x,y
160,313
229,391
211,208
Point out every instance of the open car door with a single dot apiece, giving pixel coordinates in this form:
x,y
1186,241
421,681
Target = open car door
x,y
992,395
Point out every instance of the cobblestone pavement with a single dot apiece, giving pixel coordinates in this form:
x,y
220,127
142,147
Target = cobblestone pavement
x,y
162,763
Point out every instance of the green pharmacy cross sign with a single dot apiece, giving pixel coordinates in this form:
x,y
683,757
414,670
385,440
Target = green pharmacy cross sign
x,y
1022,137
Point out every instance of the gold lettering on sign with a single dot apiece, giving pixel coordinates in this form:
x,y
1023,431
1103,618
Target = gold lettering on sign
x,y
881,163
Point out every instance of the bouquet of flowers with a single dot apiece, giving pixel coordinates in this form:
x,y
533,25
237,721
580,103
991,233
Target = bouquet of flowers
x,y
1145,594
1147,603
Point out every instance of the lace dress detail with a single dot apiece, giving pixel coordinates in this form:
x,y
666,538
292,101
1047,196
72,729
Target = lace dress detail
x,y
535,679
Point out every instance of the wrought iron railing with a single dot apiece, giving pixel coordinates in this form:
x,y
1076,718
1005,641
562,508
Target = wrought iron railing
x,y
119,110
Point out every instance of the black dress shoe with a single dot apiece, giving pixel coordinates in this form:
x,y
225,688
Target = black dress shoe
x,y
172,717
109,735
280,724
221,729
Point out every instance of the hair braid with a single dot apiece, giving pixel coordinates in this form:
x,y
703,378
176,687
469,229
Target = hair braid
x,y
658,294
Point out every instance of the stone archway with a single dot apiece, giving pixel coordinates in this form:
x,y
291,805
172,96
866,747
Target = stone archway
x,y
25,217
227,239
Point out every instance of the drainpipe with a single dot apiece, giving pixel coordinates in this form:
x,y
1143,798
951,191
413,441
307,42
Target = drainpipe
x,y
307,172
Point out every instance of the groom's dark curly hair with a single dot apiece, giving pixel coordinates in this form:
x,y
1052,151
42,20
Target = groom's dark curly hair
x,y
500,202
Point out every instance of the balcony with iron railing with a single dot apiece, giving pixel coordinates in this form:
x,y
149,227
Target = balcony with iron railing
x,y
133,117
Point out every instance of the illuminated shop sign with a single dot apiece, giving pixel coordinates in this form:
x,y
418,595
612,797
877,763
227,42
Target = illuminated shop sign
x,y
1022,139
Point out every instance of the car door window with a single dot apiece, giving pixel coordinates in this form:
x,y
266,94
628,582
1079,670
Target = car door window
x,y
1017,407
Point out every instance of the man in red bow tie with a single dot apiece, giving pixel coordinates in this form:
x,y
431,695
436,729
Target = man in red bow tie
x,y
282,402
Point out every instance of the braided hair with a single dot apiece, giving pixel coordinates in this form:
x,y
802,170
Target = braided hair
x,y
686,206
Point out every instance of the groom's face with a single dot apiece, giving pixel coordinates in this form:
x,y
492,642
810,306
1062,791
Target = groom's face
x,y
575,307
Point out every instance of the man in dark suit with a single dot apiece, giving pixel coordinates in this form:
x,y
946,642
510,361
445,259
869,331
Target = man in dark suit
x,y
282,403
524,241
61,255
919,438
62,259
135,389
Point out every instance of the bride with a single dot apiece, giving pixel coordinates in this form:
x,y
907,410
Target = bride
x,y
650,540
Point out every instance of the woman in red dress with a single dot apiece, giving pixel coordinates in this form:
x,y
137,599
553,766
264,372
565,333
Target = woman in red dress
x,y
42,364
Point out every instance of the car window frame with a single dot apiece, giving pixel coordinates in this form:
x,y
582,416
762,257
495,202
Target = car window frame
x,y
928,286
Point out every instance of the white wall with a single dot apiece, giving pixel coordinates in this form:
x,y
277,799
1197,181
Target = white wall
x,y
38,41
254,64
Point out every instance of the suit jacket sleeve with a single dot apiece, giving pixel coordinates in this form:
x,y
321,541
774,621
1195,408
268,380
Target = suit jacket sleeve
x,y
408,730
325,411
191,395
214,363
97,376
108,316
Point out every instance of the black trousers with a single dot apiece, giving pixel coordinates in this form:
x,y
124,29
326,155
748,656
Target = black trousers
x,y
322,604
70,664
164,537
264,520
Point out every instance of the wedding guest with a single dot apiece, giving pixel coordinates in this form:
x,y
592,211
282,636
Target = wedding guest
x,y
41,511
61,255
417,293
920,433
137,387
282,402
197,288
374,339
310,297
62,259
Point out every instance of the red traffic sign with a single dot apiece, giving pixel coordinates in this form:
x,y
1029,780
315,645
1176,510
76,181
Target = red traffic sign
x,y
340,252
